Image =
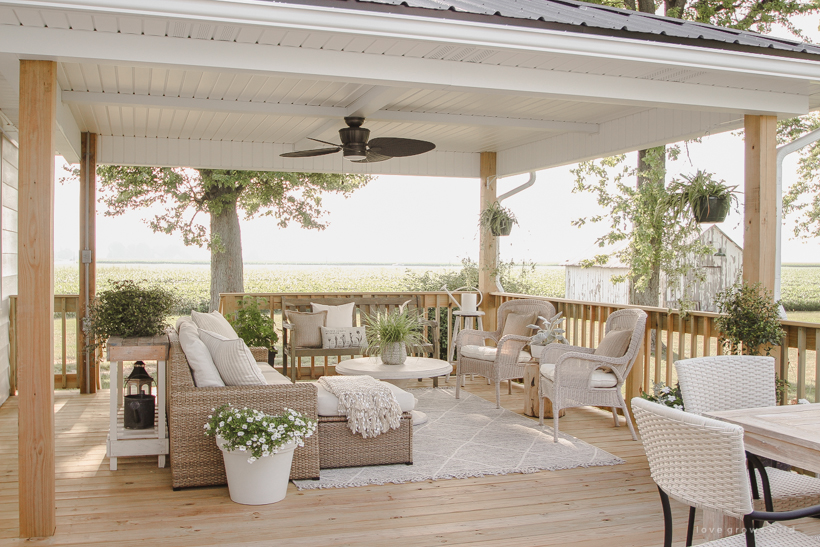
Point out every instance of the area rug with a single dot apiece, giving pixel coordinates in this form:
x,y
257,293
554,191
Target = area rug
x,y
469,437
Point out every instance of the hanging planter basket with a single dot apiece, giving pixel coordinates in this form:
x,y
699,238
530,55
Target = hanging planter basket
x,y
711,209
502,228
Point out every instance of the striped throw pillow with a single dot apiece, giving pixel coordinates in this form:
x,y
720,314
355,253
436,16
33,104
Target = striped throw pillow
x,y
214,322
233,360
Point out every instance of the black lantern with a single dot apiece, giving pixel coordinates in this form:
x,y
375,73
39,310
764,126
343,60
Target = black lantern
x,y
139,379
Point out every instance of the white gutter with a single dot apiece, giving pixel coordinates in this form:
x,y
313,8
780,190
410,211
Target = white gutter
x,y
406,27
782,152
517,189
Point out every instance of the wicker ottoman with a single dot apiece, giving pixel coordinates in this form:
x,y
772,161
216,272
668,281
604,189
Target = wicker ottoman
x,y
338,447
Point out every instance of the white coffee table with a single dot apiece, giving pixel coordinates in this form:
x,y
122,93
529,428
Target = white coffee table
x,y
399,375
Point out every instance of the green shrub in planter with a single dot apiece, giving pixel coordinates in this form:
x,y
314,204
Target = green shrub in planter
x,y
128,309
751,324
252,326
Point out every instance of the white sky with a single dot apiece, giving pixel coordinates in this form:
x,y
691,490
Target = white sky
x,y
423,219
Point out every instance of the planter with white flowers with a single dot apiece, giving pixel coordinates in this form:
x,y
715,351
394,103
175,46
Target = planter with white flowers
x,y
258,450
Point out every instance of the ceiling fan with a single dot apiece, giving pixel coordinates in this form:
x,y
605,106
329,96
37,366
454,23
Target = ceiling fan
x,y
357,147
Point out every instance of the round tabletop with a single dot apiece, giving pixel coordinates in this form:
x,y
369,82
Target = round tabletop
x,y
414,367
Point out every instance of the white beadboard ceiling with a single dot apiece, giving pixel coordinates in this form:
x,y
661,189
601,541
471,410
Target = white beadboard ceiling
x,y
176,89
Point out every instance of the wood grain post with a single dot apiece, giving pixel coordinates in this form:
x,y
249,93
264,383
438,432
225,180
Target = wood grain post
x,y
760,208
35,303
86,360
488,251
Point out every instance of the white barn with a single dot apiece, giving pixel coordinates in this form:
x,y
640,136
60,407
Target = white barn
x,y
720,270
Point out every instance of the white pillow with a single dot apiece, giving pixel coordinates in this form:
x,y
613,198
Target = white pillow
x,y
233,360
337,316
184,319
202,366
214,322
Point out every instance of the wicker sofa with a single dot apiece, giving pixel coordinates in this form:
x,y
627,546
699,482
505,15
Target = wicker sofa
x,y
196,461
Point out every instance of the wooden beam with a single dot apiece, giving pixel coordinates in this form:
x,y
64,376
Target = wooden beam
x,y
35,312
488,252
760,209
86,362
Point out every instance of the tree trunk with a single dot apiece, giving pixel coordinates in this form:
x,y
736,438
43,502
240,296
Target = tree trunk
x,y
226,254
651,295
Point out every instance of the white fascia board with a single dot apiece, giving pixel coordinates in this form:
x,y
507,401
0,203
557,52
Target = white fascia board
x,y
407,27
119,49
69,141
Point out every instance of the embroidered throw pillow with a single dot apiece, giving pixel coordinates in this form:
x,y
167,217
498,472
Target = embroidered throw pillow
x,y
337,316
214,322
348,337
233,360
306,328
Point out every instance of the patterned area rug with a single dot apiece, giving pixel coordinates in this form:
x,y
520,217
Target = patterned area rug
x,y
470,438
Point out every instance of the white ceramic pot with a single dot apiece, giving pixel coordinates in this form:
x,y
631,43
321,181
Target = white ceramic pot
x,y
261,482
536,351
394,354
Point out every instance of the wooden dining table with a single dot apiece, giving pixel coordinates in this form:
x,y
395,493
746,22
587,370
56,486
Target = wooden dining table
x,y
788,434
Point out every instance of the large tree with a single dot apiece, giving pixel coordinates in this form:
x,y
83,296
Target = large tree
x,y
186,195
633,205
801,201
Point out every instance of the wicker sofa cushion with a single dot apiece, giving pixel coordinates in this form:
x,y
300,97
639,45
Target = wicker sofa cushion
x,y
487,353
599,378
272,376
328,404
337,316
203,369
233,360
214,322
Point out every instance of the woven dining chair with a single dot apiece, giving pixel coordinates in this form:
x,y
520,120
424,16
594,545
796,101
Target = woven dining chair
x,y
508,359
731,382
572,376
701,462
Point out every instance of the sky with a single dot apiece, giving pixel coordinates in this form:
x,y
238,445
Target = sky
x,y
427,220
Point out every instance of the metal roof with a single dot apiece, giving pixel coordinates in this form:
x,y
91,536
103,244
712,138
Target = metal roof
x,y
594,17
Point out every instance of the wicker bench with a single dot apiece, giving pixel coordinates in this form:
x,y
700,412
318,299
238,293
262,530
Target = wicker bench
x,y
364,306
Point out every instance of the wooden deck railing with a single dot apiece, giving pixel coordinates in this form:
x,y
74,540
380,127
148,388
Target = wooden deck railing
x,y
669,338
66,340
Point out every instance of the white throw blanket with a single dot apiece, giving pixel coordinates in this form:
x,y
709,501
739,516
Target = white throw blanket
x,y
370,406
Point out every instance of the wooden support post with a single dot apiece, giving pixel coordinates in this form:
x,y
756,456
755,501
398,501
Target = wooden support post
x,y
760,209
488,252
35,312
86,360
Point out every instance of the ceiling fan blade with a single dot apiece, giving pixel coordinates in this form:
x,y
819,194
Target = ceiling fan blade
x,y
399,148
323,142
373,157
310,153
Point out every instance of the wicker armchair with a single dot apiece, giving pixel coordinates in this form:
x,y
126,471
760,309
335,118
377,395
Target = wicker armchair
x,y
700,462
730,382
573,376
506,361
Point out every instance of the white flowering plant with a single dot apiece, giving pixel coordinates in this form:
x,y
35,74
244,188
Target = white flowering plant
x,y
257,433
665,395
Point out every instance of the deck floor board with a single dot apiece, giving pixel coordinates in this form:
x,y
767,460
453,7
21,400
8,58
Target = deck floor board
x,y
613,505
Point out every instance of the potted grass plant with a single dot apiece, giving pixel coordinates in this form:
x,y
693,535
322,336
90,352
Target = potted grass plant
x,y
254,327
497,219
389,334
706,199
257,449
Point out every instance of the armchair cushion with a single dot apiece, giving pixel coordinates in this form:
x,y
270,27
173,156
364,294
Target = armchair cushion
x,y
599,378
614,344
516,323
337,316
307,328
486,353
214,322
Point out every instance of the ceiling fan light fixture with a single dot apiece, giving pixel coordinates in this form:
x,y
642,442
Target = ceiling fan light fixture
x,y
355,151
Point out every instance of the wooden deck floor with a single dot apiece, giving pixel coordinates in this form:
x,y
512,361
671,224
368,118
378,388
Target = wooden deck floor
x,y
615,505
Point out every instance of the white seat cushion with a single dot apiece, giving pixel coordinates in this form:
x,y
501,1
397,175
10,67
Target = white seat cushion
x,y
199,358
599,377
328,404
486,353
272,376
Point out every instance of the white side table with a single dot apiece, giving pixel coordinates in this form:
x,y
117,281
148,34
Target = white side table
x,y
137,442
464,320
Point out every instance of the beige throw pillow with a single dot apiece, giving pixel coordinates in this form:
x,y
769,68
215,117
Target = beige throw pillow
x,y
614,344
307,327
214,322
337,316
516,323
233,360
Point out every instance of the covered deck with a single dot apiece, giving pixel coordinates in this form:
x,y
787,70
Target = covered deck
x,y
610,505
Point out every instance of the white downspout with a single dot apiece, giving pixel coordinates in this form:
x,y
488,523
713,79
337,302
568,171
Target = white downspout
x,y
782,152
501,198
